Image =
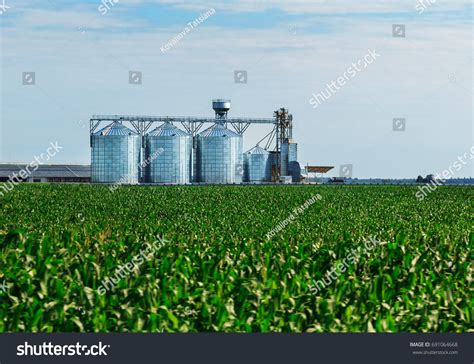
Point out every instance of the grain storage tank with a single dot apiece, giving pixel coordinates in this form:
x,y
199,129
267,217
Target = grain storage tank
x,y
289,154
115,155
257,165
220,157
274,158
168,155
221,108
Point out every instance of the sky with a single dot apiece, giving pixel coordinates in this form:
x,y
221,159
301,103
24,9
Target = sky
x,y
81,53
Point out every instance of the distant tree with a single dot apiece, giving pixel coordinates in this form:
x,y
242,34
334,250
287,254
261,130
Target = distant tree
x,y
429,178
420,179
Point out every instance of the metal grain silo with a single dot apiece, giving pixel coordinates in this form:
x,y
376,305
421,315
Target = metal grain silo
x,y
219,155
115,155
257,165
168,155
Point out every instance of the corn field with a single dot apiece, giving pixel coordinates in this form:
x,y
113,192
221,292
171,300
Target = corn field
x,y
216,270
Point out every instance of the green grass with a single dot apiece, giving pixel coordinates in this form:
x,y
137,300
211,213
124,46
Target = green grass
x,y
218,272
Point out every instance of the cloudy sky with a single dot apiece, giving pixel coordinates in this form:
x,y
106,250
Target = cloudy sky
x,y
81,53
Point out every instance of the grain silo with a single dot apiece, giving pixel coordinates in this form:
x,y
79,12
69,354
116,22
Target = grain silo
x,y
257,165
115,155
168,153
122,155
219,155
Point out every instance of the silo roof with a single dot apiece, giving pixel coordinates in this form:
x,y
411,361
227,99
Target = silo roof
x,y
257,150
167,129
218,130
116,128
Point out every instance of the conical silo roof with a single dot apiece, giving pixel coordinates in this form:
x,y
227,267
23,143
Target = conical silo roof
x,y
219,130
257,150
167,129
116,128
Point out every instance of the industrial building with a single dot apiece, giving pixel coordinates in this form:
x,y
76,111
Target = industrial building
x,y
125,151
21,172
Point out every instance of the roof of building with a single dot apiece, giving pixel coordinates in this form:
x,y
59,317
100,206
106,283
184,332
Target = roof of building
x,y
166,130
257,150
47,170
114,129
318,169
218,130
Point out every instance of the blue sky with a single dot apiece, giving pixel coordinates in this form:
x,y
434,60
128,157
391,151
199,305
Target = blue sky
x,y
290,49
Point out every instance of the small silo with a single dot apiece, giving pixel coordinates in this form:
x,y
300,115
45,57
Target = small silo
x,y
168,153
115,155
219,155
289,154
257,165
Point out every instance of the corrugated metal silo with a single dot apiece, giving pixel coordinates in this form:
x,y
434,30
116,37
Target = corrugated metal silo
x,y
289,153
220,155
115,155
168,155
284,150
257,165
